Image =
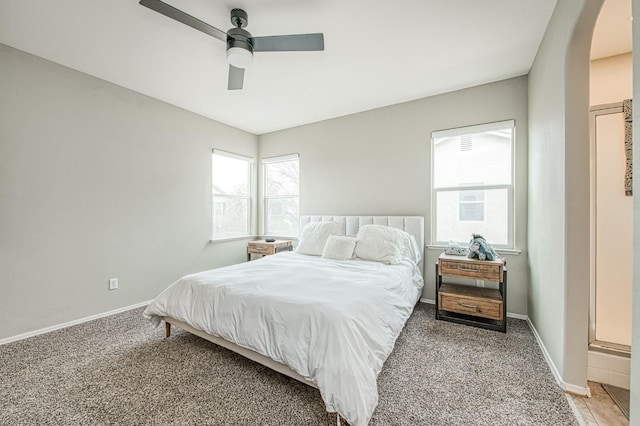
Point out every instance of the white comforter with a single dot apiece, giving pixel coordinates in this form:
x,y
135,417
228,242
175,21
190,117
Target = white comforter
x,y
333,322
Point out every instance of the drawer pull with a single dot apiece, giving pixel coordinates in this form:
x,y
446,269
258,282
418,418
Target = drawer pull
x,y
468,270
476,307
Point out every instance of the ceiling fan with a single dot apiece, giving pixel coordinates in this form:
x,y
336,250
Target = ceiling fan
x,y
240,43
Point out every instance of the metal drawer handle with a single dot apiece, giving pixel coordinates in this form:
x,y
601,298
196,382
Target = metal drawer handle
x,y
476,307
468,270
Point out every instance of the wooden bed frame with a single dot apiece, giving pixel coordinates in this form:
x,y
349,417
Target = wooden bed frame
x,y
414,225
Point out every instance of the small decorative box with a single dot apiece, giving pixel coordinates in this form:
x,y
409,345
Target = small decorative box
x,y
457,251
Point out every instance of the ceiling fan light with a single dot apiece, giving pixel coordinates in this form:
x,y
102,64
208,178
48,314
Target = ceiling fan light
x,y
239,57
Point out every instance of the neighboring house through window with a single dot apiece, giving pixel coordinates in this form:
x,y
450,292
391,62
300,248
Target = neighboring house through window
x,y
472,184
281,195
231,204
471,205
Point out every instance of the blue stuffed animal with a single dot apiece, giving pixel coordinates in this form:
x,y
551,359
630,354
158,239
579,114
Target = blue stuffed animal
x,y
481,249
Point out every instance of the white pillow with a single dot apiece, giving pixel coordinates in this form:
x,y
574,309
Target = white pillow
x,y
339,247
314,236
380,244
412,249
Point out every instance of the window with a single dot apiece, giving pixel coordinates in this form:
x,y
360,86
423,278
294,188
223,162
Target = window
x,y
472,184
281,199
231,205
471,206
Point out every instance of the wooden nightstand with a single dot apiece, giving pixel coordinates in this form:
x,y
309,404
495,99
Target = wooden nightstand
x,y
466,304
264,248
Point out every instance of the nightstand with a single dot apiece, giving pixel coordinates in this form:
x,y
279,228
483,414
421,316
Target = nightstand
x,y
266,248
467,304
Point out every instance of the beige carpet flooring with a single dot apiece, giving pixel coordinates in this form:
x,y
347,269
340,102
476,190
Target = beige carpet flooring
x,y
120,371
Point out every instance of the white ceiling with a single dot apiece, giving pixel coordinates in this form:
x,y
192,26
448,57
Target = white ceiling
x,y
377,52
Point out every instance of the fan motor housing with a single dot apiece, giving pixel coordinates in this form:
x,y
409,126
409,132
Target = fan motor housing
x,y
237,37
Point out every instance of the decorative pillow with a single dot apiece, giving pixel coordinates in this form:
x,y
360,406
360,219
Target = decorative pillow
x,y
314,236
380,244
339,247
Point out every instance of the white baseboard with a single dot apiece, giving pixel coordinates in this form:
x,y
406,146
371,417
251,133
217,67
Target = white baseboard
x,y
70,323
567,387
577,390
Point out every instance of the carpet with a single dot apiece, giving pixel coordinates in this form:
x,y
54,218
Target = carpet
x,y
119,370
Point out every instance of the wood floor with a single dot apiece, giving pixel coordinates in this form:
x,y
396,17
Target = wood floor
x,y
599,410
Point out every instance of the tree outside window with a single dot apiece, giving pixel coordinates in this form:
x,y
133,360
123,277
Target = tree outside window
x,y
281,195
231,183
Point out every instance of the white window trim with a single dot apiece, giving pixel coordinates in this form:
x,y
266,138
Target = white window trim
x,y
265,198
233,155
248,197
479,128
280,158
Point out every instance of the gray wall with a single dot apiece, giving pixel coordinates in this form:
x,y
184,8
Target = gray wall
x,y
96,182
559,188
378,162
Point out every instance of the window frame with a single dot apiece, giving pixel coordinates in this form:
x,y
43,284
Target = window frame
x,y
248,198
510,188
266,198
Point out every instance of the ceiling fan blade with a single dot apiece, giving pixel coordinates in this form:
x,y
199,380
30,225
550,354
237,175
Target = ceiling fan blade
x,y
180,16
288,43
236,77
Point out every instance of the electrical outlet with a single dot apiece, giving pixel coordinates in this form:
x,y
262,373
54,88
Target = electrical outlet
x,y
113,283
479,283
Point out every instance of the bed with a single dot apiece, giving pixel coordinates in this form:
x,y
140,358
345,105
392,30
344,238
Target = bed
x,y
326,322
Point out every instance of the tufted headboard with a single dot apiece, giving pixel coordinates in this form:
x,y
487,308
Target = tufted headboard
x,y
413,225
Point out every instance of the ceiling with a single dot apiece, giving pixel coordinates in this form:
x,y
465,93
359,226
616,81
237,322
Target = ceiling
x,y
377,53
612,34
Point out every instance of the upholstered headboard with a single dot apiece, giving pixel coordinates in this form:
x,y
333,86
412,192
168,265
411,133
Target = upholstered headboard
x,y
413,225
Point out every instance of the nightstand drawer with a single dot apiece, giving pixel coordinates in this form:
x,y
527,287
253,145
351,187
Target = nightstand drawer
x,y
257,248
477,270
476,301
266,248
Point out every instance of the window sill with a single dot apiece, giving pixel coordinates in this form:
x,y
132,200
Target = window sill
x,y
251,237
243,237
509,252
278,237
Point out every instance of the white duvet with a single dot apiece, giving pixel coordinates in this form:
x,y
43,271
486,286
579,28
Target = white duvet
x,y
333,322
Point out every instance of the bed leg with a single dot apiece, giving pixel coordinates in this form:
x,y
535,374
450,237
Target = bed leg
x,y
340,421
167,329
